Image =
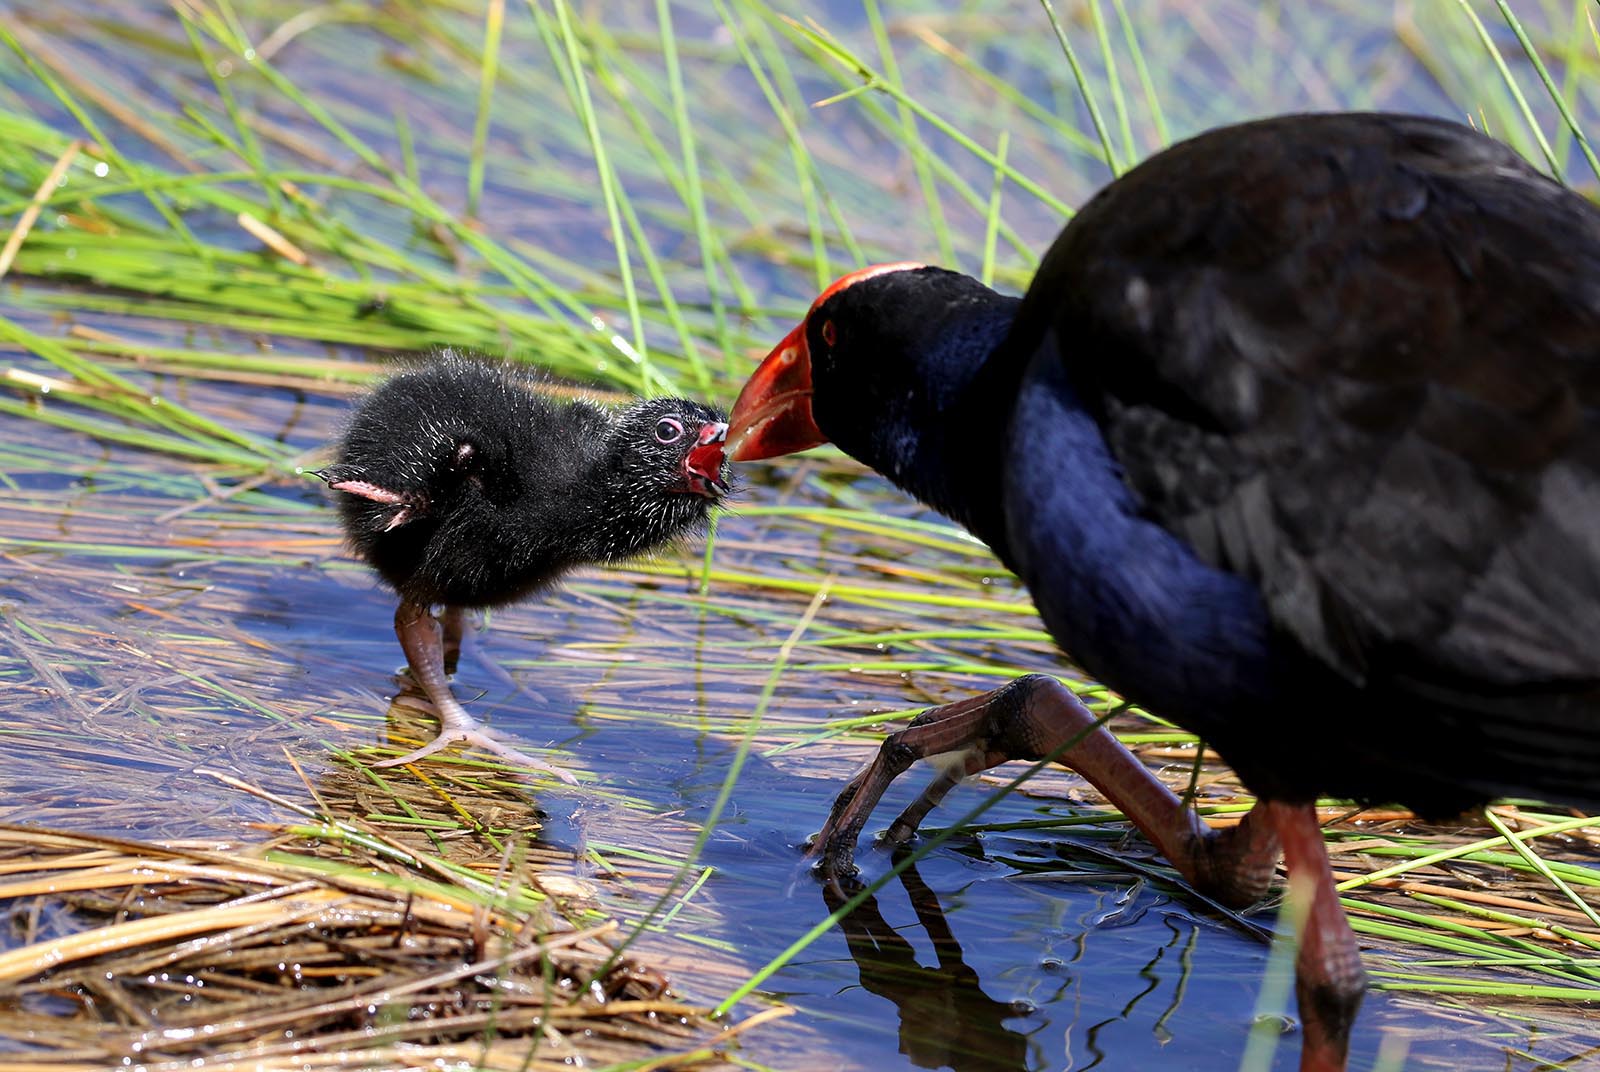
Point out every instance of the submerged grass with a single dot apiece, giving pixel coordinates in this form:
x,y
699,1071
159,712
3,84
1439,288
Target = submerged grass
x,y
212,203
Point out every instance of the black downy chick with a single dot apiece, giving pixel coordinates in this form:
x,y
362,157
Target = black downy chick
x,y
464,487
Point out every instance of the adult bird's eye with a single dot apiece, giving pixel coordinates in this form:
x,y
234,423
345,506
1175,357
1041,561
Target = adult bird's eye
x,y
669,430
830,334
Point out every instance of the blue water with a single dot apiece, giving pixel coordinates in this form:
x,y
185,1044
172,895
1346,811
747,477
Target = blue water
x,y
214,641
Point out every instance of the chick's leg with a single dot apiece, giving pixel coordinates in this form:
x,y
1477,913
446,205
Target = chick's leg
x,y
425,648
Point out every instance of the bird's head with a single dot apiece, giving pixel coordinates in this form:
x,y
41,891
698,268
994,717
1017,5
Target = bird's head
x,y
676,447
876,366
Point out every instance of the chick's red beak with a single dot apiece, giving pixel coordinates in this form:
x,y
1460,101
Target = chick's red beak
x,y
773,413
702,466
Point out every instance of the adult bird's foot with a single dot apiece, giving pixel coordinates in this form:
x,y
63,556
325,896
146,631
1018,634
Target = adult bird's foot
x,y
968,736
1033,717
1036,716
474,736
835,844
1329,980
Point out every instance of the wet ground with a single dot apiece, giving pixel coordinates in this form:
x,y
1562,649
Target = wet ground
x,y
157,638
149,657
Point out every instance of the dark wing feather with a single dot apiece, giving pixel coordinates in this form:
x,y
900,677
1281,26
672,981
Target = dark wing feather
x,y
1356,358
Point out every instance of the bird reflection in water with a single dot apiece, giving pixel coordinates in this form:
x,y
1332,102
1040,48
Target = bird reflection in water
x,y
946,1019
1071,1017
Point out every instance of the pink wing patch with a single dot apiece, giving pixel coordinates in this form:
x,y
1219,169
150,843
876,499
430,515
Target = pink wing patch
x,y
368,491
379,495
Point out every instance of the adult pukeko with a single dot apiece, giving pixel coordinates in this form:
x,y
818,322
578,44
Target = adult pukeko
x,y
1294,439
463,486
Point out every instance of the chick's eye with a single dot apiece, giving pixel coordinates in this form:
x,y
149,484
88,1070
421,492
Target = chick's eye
x,y
669,430
830,334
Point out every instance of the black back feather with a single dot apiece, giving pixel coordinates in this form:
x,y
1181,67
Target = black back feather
x,y
1356,359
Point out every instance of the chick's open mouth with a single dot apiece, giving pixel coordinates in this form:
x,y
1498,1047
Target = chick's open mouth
x,y
706,462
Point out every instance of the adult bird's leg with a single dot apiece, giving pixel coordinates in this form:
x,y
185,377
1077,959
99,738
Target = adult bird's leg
x,y
1329,981
1030,718
420,638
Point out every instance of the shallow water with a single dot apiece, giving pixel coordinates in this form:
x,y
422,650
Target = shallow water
x,y
241,635
149,647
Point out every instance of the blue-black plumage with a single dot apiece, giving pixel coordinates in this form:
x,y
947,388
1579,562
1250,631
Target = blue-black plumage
x,y
1295,441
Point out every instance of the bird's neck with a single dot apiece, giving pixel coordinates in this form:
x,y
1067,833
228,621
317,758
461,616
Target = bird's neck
x,y
630,514
943,438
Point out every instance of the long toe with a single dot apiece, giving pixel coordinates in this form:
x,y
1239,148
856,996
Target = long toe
x,y
481,739
439,743
486,741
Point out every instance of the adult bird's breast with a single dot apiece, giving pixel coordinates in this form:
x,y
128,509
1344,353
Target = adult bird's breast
x,y
1132,603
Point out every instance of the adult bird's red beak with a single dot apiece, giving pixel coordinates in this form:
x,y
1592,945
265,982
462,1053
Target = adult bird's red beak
x,y
773,413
